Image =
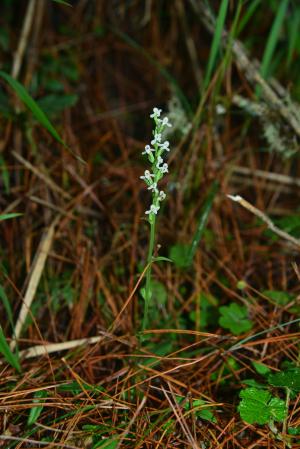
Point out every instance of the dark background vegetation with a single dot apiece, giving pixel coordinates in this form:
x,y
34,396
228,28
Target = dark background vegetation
x,y
97,69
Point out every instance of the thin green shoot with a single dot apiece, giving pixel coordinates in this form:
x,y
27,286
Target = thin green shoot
x,y
32,105
248,14
9,216
216,43
294,28
9,356
273,39
202,221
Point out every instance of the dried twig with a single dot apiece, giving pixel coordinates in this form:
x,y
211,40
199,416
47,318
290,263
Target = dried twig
x,y
36,273
23,39
265,219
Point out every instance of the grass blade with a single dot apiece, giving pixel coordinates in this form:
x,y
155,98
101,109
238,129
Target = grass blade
x,y
8,216
24,96
38,113
7,306
36,410
273,39
9,356
216,43
202,222
293,35
248,14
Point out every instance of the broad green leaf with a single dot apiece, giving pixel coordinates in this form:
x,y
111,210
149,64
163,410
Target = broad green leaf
x,y
279,297
9,216
37,410
32,105
286,379
260,407
10,357
179,255
235,318
261,368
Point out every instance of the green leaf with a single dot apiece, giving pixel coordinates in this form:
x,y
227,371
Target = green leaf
x,y
201,412
253,383
260,407
37,410
261,368
279,297
24,96
179,255
54,104
9,356
9,216
286,379
235,318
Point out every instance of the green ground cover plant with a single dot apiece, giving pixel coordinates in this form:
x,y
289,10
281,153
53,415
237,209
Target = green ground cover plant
x,y
174,324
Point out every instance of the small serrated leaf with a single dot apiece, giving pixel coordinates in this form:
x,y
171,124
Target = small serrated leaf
x,y
235,318
260,407
286,379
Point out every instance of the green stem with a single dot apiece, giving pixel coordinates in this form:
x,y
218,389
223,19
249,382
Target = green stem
x,y
148,292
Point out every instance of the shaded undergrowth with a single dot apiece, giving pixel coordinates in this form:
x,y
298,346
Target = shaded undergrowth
x,y
224,320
